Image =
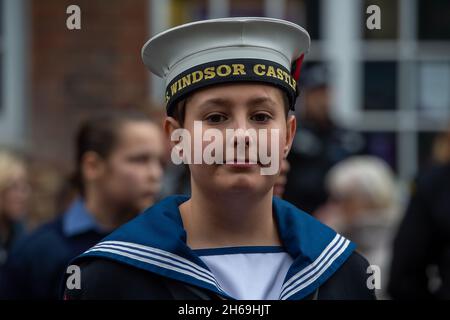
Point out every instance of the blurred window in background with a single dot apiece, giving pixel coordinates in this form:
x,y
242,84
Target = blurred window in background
x,y
433,99
1,55
305,13
433,103
248,8
433,20
13,71
380,85
391,84
183,11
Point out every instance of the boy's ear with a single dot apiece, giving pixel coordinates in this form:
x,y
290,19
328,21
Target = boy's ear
x,y
291,128
92,166
170,125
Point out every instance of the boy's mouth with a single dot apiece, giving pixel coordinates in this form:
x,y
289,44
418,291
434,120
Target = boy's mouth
x,y
241,165
244,163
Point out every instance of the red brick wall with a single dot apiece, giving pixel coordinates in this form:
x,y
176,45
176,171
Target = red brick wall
x,y
75,73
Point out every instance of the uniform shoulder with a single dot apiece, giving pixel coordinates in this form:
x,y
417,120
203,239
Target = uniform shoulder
x,y
107,279
355,262
349,282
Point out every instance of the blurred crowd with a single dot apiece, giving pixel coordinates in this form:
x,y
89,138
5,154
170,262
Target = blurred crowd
x,y
122,166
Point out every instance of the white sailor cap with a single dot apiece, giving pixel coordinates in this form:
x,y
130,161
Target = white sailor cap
x,y
209,52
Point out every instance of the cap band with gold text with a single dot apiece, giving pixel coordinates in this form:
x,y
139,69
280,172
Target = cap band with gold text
x,y
228,50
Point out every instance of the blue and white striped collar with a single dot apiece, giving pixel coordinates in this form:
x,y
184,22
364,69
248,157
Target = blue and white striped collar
x,y
156,241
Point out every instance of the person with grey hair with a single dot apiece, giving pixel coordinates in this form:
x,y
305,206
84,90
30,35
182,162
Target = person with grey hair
x,y
363,205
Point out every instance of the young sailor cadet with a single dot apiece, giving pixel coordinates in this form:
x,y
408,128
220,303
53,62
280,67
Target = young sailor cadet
x,y
230,238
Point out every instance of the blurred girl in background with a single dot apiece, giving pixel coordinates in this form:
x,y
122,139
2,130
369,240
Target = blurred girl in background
x,y
14,196
118,174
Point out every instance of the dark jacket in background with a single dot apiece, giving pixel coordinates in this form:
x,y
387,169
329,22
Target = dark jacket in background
x,y
314,151
17,231
422,245
36,265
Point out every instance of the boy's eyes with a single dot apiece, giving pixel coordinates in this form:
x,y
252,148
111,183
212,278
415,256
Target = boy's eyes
x,y
217,118
261,117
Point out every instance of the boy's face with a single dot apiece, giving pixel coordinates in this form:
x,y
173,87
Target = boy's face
x,y
238,106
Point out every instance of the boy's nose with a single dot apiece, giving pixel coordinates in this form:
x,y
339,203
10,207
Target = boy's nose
x,y
242,136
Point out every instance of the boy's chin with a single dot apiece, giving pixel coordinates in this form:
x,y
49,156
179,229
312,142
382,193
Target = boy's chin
x,y
245,184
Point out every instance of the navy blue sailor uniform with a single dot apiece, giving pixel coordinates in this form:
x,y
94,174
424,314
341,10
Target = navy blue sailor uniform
x,y
148,258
